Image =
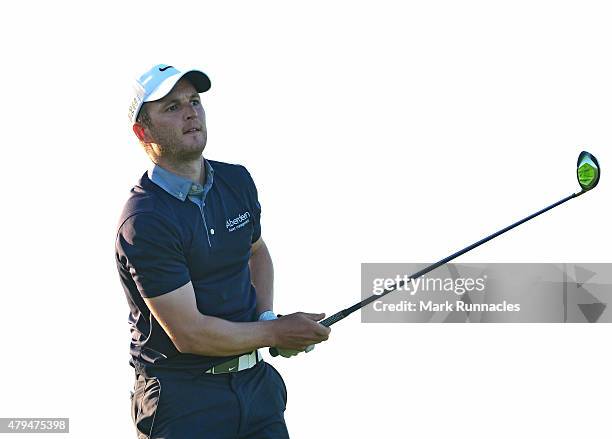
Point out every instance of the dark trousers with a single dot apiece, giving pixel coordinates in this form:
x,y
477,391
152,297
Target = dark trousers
x,y
184,405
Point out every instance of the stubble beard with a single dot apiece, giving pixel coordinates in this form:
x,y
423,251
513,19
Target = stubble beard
x,y
171,148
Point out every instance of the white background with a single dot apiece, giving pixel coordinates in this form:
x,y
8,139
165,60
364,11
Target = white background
x,y
376,132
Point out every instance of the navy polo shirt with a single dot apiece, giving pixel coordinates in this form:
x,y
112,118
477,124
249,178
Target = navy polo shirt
x,y
173,231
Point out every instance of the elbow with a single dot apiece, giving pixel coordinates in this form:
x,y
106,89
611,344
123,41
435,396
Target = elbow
x,y
186,339
187,343
183,340
182,344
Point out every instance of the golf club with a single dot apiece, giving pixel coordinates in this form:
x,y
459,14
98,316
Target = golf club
x,y
588,173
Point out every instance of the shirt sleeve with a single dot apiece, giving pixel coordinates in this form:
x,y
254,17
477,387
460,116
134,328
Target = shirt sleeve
x,y
255,207
152,251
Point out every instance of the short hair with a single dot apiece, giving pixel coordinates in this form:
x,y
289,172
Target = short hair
x,y
143,117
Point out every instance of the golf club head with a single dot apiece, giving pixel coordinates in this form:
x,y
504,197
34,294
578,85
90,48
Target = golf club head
x,y
587,171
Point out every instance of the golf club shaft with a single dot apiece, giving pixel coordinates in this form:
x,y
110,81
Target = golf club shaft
x,y
346,312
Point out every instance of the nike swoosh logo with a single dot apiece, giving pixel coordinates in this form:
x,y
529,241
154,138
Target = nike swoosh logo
x,y
232,368
161,69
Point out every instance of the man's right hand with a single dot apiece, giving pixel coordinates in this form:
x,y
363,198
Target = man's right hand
x,y
299,330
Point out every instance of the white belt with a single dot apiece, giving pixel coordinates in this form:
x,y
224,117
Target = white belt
x,y
238,364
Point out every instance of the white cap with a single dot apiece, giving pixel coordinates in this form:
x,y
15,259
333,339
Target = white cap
x,y
159,81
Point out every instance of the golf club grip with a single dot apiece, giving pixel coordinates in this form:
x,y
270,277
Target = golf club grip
x,y
333,319
325,322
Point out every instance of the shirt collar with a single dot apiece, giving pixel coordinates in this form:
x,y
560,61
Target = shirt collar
x,y
180,187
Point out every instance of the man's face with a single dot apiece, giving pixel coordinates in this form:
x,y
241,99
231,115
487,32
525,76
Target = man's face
x,y
177,128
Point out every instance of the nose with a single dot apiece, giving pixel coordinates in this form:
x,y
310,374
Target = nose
x,y
191,112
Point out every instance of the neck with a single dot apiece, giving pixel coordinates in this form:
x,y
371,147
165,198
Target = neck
x,y
193,170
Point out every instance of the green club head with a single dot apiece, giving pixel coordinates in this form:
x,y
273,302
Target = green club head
x,y
588,171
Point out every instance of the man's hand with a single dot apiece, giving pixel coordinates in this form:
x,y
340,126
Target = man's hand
x,y
298,332
287,353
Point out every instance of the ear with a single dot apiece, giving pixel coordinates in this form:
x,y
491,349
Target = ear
x,y
139,130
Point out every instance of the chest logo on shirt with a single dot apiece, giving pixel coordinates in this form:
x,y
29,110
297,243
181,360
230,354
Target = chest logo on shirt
x,y
238,222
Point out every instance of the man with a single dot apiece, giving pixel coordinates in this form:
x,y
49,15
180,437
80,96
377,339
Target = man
x,y
198,279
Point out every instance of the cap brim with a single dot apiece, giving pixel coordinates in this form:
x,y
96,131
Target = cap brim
x,y
199,79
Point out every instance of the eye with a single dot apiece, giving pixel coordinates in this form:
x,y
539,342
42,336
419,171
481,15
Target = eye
x,y
195,102
171,107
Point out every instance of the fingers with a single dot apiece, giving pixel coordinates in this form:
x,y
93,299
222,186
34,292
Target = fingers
x,y
324,331
315,317
321,331
299,331
288,353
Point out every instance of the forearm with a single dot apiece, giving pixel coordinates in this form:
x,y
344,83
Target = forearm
x,y
262,277
212,336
